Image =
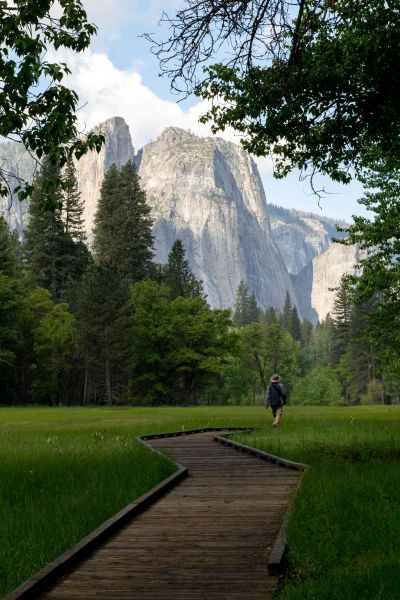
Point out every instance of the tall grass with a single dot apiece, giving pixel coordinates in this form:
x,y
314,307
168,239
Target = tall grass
x,y
344,534
64,471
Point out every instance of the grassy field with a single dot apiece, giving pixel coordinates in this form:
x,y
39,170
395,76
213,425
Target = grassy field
x,y
64,471
344,534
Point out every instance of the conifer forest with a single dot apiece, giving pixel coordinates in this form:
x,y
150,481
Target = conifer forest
x,y
105,324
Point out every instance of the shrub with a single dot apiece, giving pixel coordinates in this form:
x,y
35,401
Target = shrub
x,y
320,386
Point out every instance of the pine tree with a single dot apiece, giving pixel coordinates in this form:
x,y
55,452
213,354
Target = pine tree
x,y
10,327
364,363
322,342
342,310
240,315
104,333
46,239
306,333
287,312
295,325
254,311
10,312
123,246
122,232
178,276
9,247
270,316
72,210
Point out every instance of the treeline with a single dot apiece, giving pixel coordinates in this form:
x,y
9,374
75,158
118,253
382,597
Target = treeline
x,y
108,325
338,361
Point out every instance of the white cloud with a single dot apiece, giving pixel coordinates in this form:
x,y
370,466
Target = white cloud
x,y
106,91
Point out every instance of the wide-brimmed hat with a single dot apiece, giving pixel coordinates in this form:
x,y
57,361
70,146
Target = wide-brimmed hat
x,y
275,378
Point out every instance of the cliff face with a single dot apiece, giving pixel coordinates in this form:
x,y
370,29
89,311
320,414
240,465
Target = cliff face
x,y
91,167
301,236
16,161
316,282
208,193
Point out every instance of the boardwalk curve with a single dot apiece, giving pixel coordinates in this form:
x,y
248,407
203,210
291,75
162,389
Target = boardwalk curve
x,y
209,537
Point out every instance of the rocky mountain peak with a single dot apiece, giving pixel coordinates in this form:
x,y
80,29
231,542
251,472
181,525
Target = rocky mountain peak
x,y
207,192
118,149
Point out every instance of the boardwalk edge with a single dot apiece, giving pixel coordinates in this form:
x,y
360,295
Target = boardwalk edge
x,y
277,560
55,569
35,584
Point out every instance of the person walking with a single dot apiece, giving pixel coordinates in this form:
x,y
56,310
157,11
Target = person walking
x,y
275,398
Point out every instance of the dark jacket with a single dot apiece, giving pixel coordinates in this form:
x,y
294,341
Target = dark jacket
x,y
276,395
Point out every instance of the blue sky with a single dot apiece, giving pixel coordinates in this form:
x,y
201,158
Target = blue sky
x,y
118,75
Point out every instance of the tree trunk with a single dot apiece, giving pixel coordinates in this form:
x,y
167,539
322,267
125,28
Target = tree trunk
x,y
108,383
86,381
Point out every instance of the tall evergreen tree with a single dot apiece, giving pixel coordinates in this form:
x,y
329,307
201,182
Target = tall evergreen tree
x,y
240,315
178,275
10,325
122,232
378,237
295,325
254,312
45,235
363,358
306,333
342,310
10,312
322,342
72,210
104,332
270,315
9,247
55,258
287,312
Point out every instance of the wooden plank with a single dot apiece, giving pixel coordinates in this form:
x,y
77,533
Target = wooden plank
x,y
277,559
210,537
290,464
32,587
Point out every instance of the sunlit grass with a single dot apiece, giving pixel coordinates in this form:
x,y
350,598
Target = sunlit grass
x,y
344,534
65,471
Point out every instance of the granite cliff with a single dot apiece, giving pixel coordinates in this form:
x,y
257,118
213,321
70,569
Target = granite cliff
x,y
316,282
208,192
301,236
90,169
18,164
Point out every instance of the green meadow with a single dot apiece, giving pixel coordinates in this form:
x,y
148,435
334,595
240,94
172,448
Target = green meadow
x,y
64,471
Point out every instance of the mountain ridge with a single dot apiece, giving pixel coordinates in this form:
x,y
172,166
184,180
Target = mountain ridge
x,y
208,192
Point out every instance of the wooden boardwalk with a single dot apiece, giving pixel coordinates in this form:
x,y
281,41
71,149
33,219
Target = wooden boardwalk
x,y
208,538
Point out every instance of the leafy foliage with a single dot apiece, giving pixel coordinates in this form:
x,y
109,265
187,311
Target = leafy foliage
x,y
310,83
54,345
179,345
10,325
35,108
319,387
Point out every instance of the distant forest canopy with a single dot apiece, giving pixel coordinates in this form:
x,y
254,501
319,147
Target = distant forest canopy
x,y
108,325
